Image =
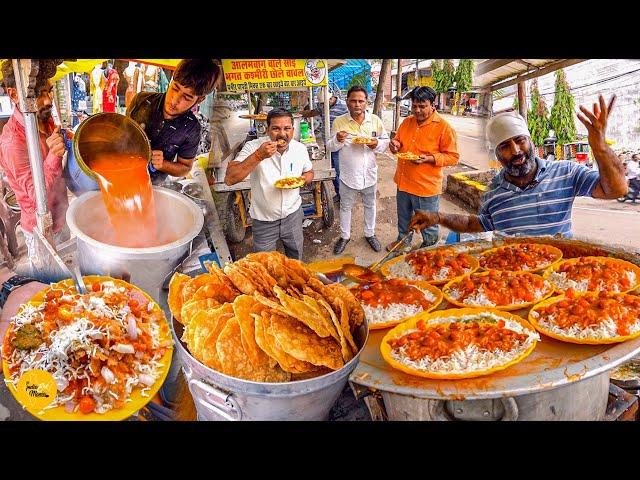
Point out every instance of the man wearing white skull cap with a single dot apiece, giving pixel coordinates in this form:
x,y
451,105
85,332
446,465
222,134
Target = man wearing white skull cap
x,y
532,196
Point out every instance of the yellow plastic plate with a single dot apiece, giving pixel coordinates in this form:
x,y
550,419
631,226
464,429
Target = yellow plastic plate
x,y
418,283
289,183
137,400
384,269
571,261
398,331
564,338
515,306
557,253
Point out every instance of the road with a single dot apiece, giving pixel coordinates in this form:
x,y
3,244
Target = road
x,y
470,132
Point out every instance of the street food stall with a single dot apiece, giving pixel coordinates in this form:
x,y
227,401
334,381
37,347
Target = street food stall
x,y
508,329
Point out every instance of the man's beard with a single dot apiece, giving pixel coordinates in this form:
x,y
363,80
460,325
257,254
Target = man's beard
x,y
44,114
520,170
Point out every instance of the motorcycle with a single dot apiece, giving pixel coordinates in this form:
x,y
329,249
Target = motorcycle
x,y
633,193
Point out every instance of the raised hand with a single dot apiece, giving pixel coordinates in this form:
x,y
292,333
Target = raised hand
x,y
596,121
266,150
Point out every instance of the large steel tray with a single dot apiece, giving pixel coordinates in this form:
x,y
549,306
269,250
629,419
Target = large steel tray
x,y
552,364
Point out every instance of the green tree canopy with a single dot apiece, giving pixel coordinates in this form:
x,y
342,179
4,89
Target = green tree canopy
x,y
464,75
538,116
445,77
562,112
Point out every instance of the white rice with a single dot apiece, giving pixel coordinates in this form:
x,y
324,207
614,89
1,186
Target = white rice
x,y
560,280
606,328
471,359
479,297
632,277
404,269
395,311
442,274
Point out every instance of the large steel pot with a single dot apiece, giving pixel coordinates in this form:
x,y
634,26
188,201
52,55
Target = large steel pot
x,y
583,400
144,267
220,397
558,381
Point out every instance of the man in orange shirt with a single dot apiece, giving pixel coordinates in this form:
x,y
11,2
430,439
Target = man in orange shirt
x,y
420,181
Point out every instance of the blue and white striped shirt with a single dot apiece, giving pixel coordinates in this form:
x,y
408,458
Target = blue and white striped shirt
x,y
544,206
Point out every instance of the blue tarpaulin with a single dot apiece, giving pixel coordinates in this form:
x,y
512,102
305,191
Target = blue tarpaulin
x,y
341,76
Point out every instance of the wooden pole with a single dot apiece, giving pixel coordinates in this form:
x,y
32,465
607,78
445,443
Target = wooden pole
x,y
522,100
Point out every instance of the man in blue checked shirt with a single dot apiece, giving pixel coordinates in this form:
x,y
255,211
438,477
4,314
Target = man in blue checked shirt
x,y
531,196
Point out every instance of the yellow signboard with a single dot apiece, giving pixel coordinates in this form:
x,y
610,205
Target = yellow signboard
x,y
273,73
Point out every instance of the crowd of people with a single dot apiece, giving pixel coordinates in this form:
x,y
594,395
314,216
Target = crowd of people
x,y
529,196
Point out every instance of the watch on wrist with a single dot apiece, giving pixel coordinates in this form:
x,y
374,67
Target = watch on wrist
x,y
11,284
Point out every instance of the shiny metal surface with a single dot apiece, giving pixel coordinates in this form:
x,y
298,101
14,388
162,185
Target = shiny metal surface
x,y
108,133
220,397
552,364
144,267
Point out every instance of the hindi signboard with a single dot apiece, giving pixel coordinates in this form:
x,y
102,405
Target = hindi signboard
x,y
273,74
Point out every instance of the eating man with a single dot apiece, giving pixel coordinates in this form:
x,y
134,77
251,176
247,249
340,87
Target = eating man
x,y
276,213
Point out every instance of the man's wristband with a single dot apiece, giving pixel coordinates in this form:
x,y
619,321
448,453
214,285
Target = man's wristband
x,y
11,284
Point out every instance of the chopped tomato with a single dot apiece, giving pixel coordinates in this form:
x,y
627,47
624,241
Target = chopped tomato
x,y
87,404
502,287
521,256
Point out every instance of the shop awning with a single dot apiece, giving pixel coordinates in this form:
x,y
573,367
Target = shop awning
x,y
341,76
499,73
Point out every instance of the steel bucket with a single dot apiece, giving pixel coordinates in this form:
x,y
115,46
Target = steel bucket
x,y
144,267
220,397
108,133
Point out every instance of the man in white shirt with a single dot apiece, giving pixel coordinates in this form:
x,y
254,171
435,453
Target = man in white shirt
x,y
358,168
276,213
633,175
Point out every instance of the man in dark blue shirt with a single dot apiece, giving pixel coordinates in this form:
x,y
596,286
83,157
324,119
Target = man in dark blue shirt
x,y
167,119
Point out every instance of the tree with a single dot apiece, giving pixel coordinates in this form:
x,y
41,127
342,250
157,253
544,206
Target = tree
x,y
562,116
463,78
538,116
516,103
436,68
385,72
359,79
464,75
445,77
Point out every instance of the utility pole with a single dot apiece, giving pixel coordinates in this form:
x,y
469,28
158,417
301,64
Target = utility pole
x,y
416,74
396,118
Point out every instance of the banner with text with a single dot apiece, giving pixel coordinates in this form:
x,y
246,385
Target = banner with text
x,y
273,73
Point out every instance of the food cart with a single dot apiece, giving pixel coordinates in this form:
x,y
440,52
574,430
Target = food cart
x,y
557,381
577,151
268,76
